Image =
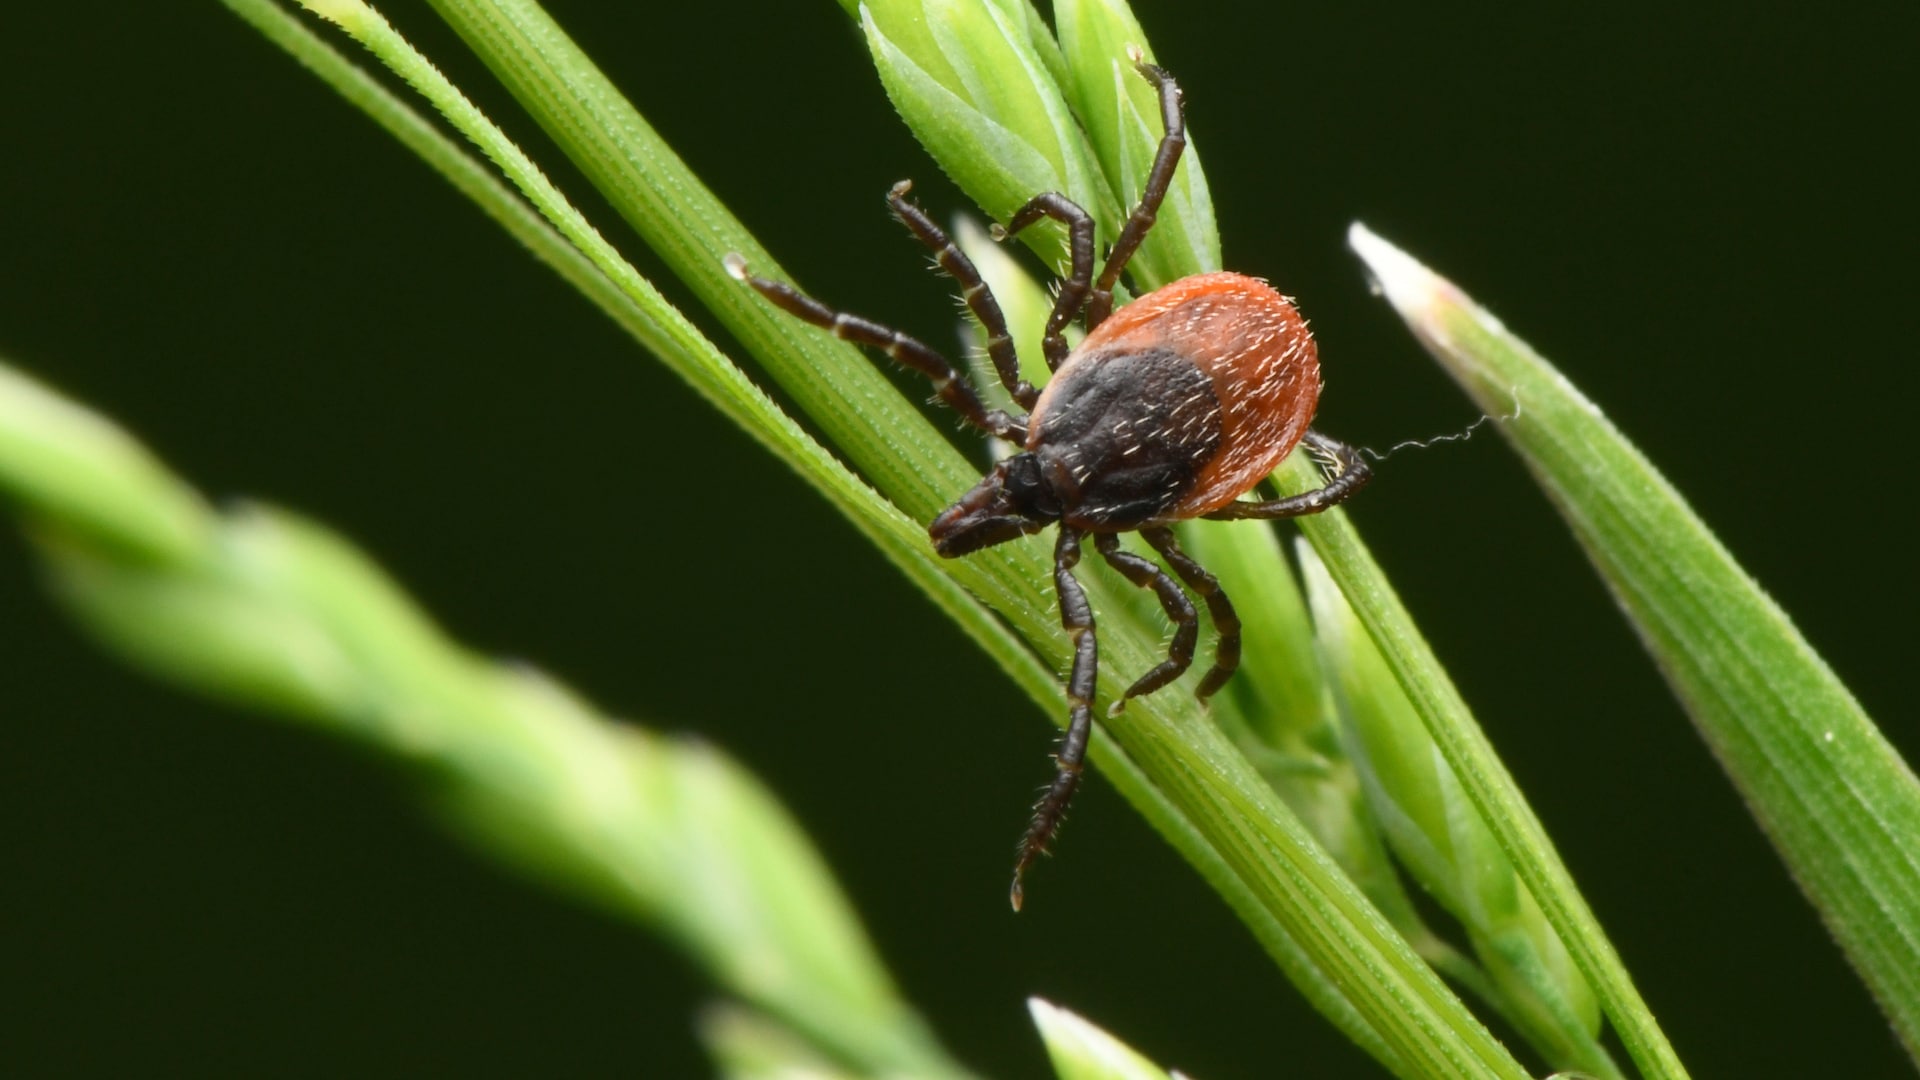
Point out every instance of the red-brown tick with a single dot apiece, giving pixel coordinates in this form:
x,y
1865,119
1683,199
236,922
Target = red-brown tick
x,y
1170,408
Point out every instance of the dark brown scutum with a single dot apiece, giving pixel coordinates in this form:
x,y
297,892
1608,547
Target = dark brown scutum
x,y
1121,437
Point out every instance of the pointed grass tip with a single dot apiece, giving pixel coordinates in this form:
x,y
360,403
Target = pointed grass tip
x,y
1421,296
1398,276
1435,309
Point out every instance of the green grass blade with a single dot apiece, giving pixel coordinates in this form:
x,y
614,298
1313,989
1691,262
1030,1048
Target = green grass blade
x,y
1082,1051
746,1045
1493,790
1831,793
1122,116
1439,837
973,83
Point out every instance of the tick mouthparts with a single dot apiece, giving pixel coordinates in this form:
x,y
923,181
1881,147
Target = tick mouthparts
x,y
1006,504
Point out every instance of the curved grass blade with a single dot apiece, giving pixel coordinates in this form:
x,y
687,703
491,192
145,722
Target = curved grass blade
x,y
1833,796
1122,117
1082,1051
1439,837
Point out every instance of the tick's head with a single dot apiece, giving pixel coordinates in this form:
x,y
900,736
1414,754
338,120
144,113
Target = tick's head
x,y
1010,502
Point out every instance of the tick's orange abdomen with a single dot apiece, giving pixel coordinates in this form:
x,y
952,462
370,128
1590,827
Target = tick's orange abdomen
x,y
1202,387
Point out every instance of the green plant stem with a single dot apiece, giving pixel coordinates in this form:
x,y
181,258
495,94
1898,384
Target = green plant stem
x,y
1832,794
1491,787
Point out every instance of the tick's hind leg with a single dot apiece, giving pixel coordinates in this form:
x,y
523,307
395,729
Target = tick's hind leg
x,y
952,389
1076,615
1226,624
1353,475
1186,623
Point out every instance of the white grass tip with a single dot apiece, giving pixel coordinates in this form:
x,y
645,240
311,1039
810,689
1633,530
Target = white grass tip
x,y
1400,277
1080,1048
736,265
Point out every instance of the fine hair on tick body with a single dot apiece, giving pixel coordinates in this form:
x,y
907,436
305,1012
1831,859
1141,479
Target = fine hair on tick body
x,y
1169,409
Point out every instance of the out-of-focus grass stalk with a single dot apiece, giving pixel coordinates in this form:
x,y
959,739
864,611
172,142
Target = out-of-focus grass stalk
x,y
263,608
748,1045
1832,794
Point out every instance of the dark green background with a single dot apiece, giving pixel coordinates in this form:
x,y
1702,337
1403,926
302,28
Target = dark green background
x,y
1704,216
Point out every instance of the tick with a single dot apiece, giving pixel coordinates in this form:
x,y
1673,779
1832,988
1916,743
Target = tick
x,y
1169,409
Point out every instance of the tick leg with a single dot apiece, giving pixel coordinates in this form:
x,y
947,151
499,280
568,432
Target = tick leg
x,y
1186,623
948,384
1079,279
1159,181
1076,615
1353,475
1226,624
973,289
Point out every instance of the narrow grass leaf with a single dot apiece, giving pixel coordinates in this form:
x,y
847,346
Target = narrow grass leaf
x,y
1080,1050
1481,773
998,123
1437,834
1121,112
1834,797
